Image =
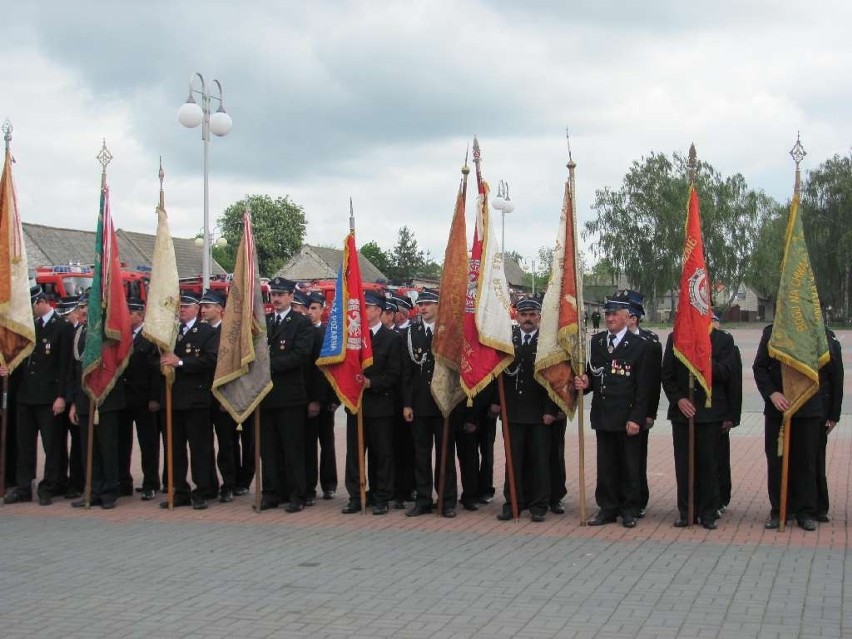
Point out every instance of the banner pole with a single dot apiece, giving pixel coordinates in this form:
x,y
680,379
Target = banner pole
x,y
690,509
785,472
170,463
362,474
442,476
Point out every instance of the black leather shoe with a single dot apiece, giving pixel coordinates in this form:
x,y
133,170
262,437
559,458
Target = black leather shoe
x,y
199,503
268,504
710,524
178,503
294,507
640,514
537,517
822,518
418,509
448,512
628,522
148,495
15,497
310,501
469,505
558,508
380,509
351,507
808,524
239,491
771,523
680,522
723,509
398,504
73,493
328,494
505,515
600,520
486,499
44,500
108,505
81,503
226,496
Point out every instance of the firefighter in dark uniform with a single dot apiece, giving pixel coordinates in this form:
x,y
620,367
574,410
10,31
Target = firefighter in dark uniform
x,y
805,432
708,425
301,302
74,309
398,309
617,373
734,397
636,313
475,449
378,408
831,392
328,403
531,414
105,465
423,415
284,410
41,402
194,362
141,381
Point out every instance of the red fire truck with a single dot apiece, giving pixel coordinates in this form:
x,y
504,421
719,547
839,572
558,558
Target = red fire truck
x,y
73,279
220,284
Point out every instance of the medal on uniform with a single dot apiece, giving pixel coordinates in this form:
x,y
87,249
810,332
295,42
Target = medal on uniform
x,y
46,347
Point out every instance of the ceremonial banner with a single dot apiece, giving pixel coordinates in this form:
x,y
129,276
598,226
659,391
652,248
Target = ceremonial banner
x,y
447,342
798,338
487,328
108,339
561,351
243,377
346,350
163,305
691,334
17,330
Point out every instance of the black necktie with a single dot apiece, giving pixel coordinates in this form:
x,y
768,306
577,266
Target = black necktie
x,y
182,330
527,338
611,342
428,332
41,322
277,320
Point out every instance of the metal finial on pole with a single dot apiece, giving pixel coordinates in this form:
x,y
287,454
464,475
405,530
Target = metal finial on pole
x,y
798,154
104,157
692,163
7,132
351,216
162,174
571,165
466,169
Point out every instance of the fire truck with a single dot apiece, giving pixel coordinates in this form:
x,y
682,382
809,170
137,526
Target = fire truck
x,y
73,279
327,288
221,284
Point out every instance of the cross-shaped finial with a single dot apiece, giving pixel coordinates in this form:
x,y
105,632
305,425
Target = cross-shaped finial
x,y
104,157
798,152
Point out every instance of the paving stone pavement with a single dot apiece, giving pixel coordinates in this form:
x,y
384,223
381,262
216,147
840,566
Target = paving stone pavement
x,y
138,571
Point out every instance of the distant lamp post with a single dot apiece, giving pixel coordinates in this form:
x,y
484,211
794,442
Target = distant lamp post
x,y
219,242
531,262
503,203
191,115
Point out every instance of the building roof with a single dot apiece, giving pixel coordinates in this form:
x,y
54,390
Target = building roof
x,y
321,263
53,246
516,277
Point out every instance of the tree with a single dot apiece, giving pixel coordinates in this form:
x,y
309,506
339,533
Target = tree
x,y
764,270
640,227
279,227
826,211
406,259
377,256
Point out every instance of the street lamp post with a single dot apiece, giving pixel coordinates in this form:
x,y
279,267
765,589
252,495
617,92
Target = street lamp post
x,y
503,203
531,262
191,115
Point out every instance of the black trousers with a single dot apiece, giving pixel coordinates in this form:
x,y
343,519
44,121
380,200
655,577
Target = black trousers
x,y
11,461
706,493
192,427
105,462
644,492
32,420
72,471
723,457
225,427
558,476
530,444
147,434
282,449
822,479
244,454
378,441
429,430
802,480
405,481
319,443
619,459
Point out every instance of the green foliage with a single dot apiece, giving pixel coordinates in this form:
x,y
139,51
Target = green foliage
x,y
377,256
407,261
826,211
279,227
639,228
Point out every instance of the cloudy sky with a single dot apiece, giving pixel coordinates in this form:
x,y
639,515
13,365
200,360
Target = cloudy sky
x,y
378,101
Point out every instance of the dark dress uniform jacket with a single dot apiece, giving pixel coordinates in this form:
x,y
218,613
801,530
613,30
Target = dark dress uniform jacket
x,y
654,370
46,371
290,347
725,369
620,381
385,374
831,380
527,401
142,375
417,378
198,349
114,401
767,376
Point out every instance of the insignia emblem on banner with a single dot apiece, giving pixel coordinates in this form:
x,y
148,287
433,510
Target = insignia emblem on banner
x,y
698,291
